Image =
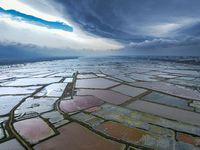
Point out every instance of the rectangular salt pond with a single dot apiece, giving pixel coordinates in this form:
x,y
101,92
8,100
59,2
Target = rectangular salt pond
x,y
166,111
68,80
185,82
179,91
32,81
38,105
142,77
129,90
167,76
105,95
65,74
85,76
188,72
168,100
55,90
95,83
7,103
18,90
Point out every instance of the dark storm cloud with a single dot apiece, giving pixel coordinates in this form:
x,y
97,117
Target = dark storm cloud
x,y
14,53
131,20
139,26
192,30
17,50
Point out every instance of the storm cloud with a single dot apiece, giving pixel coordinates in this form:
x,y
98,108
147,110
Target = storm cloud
x,y
133,20
123,27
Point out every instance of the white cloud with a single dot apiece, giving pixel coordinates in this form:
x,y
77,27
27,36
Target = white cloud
x,y
13,29
160,30
189,40
52,14
167,29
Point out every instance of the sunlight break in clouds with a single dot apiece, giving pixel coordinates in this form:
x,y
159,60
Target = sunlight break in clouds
x,y
18,6
25,33
15,29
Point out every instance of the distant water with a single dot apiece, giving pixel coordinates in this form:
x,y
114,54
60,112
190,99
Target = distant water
x,y
177,59
11,61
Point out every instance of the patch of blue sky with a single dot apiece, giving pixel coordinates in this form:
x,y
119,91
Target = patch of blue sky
x,y
38,21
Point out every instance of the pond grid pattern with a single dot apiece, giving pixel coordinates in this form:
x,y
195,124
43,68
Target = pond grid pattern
x,y
100,104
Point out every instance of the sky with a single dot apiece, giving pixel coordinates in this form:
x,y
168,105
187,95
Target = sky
x,y
99,27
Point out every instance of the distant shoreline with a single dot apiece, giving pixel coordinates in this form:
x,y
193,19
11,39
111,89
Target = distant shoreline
x,y
194,60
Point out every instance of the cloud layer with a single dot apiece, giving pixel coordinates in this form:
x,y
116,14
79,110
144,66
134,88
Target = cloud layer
x,y
164,43
16,27
131,19
131,26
